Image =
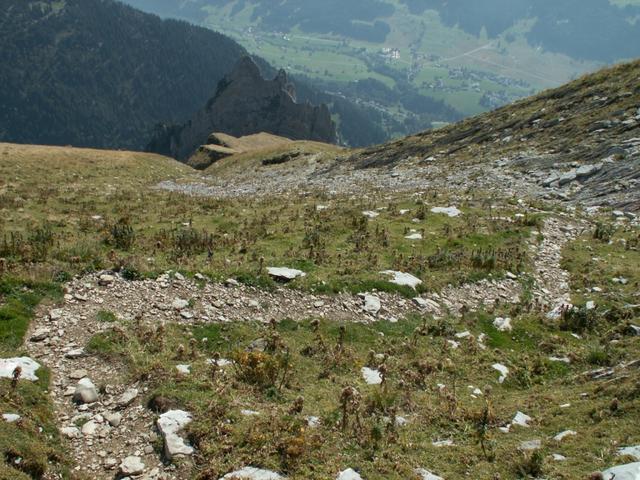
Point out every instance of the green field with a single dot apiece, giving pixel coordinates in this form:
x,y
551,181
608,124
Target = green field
x,y
429,52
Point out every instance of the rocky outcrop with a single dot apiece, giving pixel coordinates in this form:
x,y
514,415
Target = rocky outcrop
x,y
245,103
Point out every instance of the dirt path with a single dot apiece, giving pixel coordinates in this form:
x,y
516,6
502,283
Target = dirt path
x,y
101,434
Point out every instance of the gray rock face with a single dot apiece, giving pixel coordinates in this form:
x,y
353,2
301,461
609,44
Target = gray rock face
x,y
169,425
245,103
588,170
567,177
85,392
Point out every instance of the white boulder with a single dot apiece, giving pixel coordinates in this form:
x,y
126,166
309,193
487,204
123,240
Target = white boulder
x,y
251,473
449,211
426,474
28,365
372,304
562,435
349,474
169,425
630,471
11,417
630,451
371,376
402,279
132,466
86,392
521,420
285,274
503,324
503,370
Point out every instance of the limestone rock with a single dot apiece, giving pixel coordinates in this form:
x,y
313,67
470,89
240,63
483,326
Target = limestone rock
x,y
504,371
75,353
170,424
40,334
521,419
11,417
28,368
113,419
349,474
371,376
85,392
449,211
251,473
71,432
132,466
630,471
127,397
562,435
402,279
179,304
630,451
503,324
90,428
372,304
106,279
285,274
530,445
427,475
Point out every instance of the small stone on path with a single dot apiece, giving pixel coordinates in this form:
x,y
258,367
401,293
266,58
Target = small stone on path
x,y
132,466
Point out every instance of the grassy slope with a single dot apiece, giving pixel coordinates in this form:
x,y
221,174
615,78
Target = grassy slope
x,y
51,175
317,367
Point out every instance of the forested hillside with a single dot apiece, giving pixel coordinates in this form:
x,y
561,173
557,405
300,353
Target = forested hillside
x,y
99,73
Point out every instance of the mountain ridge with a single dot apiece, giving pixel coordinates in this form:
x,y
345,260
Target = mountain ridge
x,y
245,103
